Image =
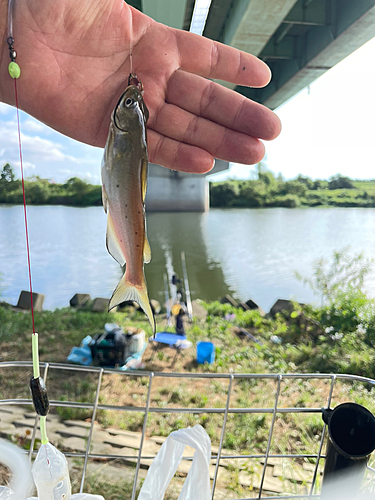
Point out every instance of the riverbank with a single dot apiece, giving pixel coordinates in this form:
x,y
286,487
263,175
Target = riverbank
x,y
307,339
266,191
303,340
269,191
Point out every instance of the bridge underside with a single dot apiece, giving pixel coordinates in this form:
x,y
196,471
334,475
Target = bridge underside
x,y
299,39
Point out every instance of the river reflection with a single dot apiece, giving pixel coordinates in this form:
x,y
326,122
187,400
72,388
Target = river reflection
x,y
249,253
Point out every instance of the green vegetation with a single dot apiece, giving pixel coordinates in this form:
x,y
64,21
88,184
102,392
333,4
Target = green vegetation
x,y
269,191
266,191
43,192
336,337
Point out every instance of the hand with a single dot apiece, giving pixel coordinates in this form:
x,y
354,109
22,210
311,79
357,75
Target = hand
x,y
74,59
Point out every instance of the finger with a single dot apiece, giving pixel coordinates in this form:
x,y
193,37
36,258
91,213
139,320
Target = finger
x,y
176,155
221,142
212,59
219,104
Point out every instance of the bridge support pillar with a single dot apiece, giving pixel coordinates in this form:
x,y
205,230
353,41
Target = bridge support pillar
x,y
171,191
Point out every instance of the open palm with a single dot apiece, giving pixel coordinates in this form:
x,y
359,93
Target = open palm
x,y
74,58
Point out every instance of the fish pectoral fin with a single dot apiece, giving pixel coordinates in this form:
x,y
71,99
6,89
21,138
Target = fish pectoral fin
x,y
144,179
113,244
104,199
146,251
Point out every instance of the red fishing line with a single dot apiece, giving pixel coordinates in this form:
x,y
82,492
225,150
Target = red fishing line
x,y
24,207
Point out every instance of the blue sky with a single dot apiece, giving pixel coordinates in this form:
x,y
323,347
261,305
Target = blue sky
x,y
326,130
46,152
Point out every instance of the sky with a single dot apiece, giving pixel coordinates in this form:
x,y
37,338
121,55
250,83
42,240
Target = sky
x,y
327,129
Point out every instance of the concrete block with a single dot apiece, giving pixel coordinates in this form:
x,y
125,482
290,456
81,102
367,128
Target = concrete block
x,y
79,299
198,310
102,449
228,299
282,305
24,301
7,430
75,444
155,305
78,423
23,423
74,431
250,305
101,305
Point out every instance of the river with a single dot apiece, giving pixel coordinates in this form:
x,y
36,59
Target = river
x,y
250,253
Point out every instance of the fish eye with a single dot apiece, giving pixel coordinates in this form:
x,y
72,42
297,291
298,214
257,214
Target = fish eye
x,y
129,102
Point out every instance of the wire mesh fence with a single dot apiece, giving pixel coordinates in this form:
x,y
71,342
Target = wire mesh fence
x,y
267,432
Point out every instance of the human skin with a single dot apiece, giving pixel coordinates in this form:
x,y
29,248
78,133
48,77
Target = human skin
x,y
74,59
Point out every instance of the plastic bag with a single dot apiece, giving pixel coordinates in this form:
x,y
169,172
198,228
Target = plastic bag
x,y
51,476
164,466
50,471
76,496
21,483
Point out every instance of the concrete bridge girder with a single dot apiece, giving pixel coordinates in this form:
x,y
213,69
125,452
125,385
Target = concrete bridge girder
x,y
299,39
258,23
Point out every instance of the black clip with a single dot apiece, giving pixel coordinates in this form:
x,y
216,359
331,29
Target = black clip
x,y
40,396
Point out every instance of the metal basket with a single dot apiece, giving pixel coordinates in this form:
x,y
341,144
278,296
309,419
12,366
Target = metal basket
x,y
275,410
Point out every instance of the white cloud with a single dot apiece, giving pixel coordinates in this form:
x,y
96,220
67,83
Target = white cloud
x,y
32,125
4,108
46,152
26,165
65,171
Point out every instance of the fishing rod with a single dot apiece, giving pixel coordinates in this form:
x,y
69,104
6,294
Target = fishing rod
x,y
167,300
187,289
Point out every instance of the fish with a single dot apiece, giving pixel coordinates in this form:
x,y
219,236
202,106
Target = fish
x,y
124,186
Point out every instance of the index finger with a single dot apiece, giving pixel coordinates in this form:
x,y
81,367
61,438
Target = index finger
x,y
212,59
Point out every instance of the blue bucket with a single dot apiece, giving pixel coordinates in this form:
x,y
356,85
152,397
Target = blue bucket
x,y
205,352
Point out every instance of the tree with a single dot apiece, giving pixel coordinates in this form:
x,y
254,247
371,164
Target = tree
x,y
293,187
77,187
7,174
8,181
223,194
307,181
340,182
317,185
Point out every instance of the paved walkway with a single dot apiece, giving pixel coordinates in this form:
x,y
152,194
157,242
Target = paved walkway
x,y
282,475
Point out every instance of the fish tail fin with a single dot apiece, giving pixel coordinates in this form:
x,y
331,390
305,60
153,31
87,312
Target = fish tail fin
x,y
126,291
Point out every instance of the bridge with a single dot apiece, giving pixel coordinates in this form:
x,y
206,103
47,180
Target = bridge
x,y
299,39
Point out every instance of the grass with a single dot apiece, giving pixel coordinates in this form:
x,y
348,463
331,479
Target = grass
x,y
245,432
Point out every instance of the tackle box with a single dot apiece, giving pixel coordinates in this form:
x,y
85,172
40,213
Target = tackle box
x,y
111,348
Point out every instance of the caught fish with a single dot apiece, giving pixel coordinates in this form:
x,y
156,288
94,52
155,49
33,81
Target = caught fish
x,y
124,184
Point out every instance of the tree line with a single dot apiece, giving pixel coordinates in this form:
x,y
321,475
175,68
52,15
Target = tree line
x,y
265,191
270,191
40,191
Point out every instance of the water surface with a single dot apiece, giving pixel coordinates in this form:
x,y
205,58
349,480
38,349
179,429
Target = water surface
x,y
249,253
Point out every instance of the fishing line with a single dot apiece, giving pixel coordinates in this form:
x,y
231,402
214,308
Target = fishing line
x,y
130,41
37,386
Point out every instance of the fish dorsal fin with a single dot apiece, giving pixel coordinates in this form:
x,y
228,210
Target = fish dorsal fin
x,y
113,244
104,199
144,179
146,251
